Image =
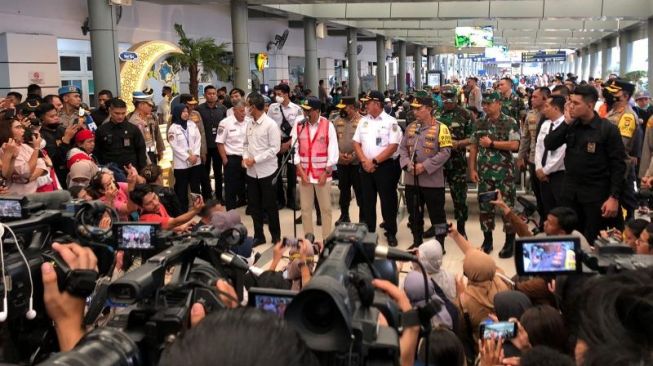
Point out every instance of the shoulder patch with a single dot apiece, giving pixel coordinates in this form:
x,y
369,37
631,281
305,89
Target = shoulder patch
x,y
220,130
444,138
627,125
649,124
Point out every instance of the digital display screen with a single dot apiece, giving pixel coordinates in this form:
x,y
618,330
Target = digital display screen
x,y
134,236
273,303
504,330
474,37
557,256
10,209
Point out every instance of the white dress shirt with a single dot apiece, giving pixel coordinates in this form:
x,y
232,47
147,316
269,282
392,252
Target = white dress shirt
x,y
556,160
262,143
184,142
333,153
231,134
375,134
292,112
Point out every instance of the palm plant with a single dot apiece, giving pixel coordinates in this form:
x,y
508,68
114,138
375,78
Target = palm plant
x,y
201,51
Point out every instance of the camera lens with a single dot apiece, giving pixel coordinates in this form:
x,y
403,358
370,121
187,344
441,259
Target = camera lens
x,y
319,313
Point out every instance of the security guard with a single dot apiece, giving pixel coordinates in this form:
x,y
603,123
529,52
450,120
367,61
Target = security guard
x,y
376,140
459,122
624,117
494,139
511,104
423,152
348,164
119,141
594,163
71,98
145,121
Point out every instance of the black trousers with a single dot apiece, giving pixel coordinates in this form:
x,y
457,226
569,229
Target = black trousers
x,y
416,198
213,159
551,191
287,199
348,177
185,178
590,221
260,196
384,182
535,186
235,178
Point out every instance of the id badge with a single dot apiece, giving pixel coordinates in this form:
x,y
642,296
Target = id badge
x,y
378,141
126,142
591,147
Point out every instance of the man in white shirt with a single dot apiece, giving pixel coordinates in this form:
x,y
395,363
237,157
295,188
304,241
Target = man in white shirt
x,y
285,113
317,154
550,165
475,95
262,143
231,142
376,141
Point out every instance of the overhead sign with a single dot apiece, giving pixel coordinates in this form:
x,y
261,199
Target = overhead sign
x,y
544,56
128,56
470,55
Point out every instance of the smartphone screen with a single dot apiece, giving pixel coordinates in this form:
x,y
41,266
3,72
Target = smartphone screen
x,y
290,242
504,330
271,300
441,229
487,196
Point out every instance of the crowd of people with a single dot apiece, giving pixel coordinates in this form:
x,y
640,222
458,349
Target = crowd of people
x,y
585,147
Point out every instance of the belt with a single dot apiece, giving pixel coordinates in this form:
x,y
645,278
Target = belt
x,y
234,156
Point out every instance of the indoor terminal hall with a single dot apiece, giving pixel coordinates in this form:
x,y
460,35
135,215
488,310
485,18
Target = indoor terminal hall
x,y
346,182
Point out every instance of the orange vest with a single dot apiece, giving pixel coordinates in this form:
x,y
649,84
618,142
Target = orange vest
x,y
313,153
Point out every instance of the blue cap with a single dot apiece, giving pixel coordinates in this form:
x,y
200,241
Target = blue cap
x,y
139,96
69,89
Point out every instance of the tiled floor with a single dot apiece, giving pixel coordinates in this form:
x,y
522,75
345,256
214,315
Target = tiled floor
x,y
452,260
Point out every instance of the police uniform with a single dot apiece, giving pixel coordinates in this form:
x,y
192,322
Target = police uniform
x,y
285,117
459,122
348,172
120,143
149,128
496,171
429,144
376,134
231,135
71,118
526,152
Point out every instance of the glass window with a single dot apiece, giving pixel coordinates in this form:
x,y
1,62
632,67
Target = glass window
x,y
89,63
640,59
70,63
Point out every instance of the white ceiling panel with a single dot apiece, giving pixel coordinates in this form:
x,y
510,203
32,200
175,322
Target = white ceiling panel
x,y
561,24
368,10
627,8
438,24
518,24
369,23
413,10
516,9
326,11
464,9
422,33
519,33
408,24
575,8
559,34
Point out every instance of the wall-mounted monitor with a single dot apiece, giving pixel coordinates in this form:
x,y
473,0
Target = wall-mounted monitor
x,y
474,37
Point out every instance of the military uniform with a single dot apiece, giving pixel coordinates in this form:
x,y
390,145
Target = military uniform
x,y
496,168
348,172
71,118
513,106
152,136
429,145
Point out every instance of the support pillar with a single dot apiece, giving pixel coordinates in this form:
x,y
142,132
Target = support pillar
x,y
381,83
585,63
402,66
625,53
352,62
594,55
606,58
577,63
310,56
650,55
417,58
240,44
104,48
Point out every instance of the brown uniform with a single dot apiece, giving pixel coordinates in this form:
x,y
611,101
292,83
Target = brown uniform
x,y
348,173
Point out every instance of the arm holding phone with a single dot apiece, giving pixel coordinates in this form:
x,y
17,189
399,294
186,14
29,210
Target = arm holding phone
x,y
521,228
198,203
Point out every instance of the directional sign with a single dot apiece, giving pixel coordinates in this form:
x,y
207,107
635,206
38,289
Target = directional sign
x,y
544,56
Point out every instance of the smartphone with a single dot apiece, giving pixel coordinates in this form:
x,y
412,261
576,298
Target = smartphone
x,y
441,229
503,330
195,196
135,236
486,197
81,112
290,242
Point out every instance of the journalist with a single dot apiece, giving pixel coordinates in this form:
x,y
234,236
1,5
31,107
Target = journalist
x,y
151,209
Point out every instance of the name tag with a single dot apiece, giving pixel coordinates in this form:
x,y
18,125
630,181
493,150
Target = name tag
x,y
378,141
591,147
126,142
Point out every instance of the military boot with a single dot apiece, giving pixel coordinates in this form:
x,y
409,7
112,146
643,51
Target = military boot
x,y
487,246
460,226
508,247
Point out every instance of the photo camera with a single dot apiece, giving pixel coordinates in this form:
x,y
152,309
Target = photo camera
x,y
548,255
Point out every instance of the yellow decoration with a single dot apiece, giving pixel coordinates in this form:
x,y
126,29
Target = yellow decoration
x,y
261,61
134,74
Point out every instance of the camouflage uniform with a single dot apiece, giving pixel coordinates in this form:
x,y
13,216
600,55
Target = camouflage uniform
x,y
513,106
459,122
496,168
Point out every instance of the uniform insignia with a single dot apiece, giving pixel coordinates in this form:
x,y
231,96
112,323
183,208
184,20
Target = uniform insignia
x,y
627,125
220,130
365,124
444,140
394,128
171,137
591,147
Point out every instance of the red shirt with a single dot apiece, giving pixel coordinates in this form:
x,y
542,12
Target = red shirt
x,y
161,218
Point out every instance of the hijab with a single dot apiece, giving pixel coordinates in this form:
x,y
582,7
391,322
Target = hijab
x,y
511,304
430,256
483,284
414,288
176,116
82,169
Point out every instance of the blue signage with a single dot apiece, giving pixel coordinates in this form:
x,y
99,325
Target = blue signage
x,y
128,56
543,56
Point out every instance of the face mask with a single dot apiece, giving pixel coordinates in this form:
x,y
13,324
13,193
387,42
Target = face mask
x,y
42,144
339,93
278,99
609,99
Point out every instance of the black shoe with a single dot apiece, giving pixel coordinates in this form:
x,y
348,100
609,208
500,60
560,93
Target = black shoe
x,y
298,220
429,233
293,207
319,221
508,247
488,245
440,239
342,220
392,240
460,226
258,241
382,225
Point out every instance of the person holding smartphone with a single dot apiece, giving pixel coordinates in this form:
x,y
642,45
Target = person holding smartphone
x,y
21,164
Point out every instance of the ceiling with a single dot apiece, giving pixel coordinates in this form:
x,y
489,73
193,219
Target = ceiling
x,y
517,24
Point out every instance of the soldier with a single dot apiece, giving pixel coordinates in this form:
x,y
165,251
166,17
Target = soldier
x,y
71,97
144,120
348,164
511,104
424,150
459,121
494,138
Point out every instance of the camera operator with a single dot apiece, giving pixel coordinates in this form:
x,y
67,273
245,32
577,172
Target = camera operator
x,y
214,214
145,197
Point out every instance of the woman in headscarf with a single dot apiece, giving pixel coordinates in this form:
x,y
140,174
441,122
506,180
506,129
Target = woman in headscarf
x,y
186,142
511,305
430,256
81,173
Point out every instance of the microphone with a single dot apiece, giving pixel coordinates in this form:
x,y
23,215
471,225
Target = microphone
x,y
385,252
233,260
256,271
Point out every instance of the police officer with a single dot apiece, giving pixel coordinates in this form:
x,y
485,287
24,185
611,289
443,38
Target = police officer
x,y
71,98
348,164
424,150
147,124
491,164
511,104
212,113
376,140
119,141
594,163
231,141
459,122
